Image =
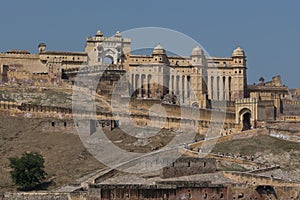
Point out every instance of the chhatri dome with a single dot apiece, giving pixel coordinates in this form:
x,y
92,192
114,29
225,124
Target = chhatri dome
x,y
197,51
159,49
238,52
99,34
118,34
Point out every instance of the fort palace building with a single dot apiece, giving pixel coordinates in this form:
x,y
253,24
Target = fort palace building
x,y
195,80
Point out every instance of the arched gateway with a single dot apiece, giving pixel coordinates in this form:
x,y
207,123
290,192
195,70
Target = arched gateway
x,y
245,119
246,113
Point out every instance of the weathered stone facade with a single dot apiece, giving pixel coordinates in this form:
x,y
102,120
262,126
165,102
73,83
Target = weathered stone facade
x,y
196,80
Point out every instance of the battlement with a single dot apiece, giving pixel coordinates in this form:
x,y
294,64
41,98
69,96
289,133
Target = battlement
x,y
108,39
246,101
291,118
18,52
291,102
19,55
186,166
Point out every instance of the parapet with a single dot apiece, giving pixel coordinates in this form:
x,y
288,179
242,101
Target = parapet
x,y
246,101
18,52
186,166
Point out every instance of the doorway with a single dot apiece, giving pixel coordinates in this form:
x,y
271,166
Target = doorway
x,y
246,121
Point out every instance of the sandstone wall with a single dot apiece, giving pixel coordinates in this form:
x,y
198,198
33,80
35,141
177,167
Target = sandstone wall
x,y
189,166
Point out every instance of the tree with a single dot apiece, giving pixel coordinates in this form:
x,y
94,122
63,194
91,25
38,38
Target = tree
x,y
28,170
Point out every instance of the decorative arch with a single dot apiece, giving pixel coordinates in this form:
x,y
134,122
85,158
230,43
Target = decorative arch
x,y
107,55
108,59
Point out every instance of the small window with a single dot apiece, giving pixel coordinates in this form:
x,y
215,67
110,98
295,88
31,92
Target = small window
x,y
52,124
204,164
189,164
222,195
65,124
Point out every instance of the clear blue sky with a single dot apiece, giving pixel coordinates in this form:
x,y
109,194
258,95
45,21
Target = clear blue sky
x,y
269,31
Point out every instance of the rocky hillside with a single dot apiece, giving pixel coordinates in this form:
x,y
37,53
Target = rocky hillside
x,y
65,157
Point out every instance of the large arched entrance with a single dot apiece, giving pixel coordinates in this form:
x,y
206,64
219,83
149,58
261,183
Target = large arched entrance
x,y
246,121
245,117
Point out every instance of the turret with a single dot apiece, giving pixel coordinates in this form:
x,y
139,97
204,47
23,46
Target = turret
x,y
42,47
99,34
239,57
198,57
159,54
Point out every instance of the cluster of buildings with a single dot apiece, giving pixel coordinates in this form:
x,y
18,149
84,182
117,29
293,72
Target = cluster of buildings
x,y
195,80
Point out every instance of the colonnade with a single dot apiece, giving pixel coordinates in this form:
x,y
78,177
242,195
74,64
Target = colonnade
x,y
141,83
219,88
179,85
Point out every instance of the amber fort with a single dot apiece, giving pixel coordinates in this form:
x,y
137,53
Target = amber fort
x,y
197,92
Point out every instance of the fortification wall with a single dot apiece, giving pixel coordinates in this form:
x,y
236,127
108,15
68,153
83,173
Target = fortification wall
x,y
26,62
175,121
44,196
256,180
262,192
200,190
186,166
137,192
183,111
291,107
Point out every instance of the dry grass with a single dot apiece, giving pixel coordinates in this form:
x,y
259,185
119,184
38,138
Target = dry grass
x,y
266,149
65,157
